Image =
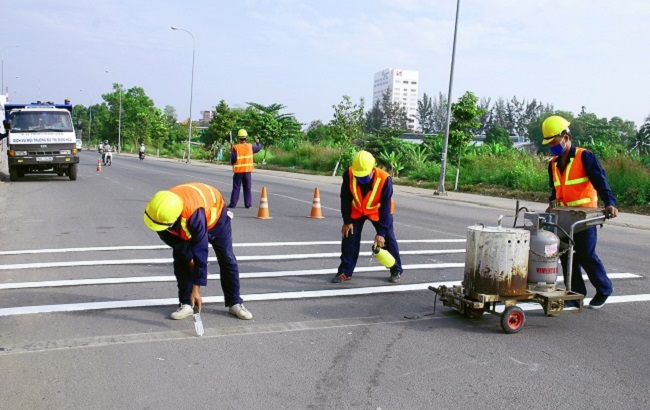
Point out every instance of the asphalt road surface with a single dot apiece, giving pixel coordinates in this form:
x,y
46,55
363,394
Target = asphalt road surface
x,y
86,291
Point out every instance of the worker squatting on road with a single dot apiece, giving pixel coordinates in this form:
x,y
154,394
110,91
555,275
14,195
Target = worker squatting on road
x,y
577,179
366,193
187,217
241,159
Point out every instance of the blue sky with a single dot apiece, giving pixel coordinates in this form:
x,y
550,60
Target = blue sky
x,y
307,54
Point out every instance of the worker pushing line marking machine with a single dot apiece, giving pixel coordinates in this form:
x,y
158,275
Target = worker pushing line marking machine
x,y
519,264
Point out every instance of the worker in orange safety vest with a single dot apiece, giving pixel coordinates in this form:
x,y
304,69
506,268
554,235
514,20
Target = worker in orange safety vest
x,y
366,193
242,165
576,180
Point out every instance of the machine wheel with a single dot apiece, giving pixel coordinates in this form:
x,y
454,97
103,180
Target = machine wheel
x,y
72,172
512,319
13,173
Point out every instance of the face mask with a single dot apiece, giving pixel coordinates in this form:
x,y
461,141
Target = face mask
x,y
363,180
558,149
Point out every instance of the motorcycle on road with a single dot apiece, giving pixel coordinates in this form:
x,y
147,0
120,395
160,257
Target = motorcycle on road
x,y
107,156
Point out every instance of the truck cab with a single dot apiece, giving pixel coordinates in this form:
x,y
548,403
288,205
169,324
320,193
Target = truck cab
x,y
41,139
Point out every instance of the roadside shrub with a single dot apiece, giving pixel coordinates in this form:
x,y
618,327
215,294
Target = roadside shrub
x,y
427,171
629,180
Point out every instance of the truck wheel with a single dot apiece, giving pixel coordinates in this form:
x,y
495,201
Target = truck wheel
x,y
13,173
512,319
72,171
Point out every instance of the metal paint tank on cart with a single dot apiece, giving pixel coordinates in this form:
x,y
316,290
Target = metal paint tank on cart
x,y
496,261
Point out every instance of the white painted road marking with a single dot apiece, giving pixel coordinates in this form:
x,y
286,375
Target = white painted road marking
x,y
159,261
119,304
236,245
251,275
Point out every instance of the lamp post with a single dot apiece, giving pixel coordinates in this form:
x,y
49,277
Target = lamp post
x,y
119,119
2,62
189,136
90,120
443,159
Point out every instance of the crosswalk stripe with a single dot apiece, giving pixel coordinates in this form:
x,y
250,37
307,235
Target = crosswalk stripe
x,y
236,245
159,261
118,304
251,275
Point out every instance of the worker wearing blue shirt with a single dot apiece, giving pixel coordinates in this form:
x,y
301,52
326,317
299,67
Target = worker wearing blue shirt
x,y
241,159
577,179
366,193
188,217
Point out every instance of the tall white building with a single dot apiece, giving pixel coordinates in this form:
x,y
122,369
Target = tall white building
x,y
403,87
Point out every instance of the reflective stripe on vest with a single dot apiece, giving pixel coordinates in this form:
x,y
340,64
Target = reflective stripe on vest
x,y
196,195
244,161
368,205
573,187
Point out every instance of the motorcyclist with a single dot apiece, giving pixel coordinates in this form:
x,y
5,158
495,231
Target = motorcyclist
x,y
142,150
105,149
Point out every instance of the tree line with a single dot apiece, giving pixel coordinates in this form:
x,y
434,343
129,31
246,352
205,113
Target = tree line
x,y
142,122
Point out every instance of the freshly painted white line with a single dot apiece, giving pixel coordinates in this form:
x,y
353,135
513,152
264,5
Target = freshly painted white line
x,y
251,275
172,278
338,291
236,245
158,261
117,304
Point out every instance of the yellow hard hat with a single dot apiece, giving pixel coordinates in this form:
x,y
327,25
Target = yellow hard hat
x,y
552,127
163,210
362,164
242,133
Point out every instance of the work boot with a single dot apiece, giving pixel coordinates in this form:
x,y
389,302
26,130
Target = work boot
x,y
182,312
598,301
240,311
341,277
394,275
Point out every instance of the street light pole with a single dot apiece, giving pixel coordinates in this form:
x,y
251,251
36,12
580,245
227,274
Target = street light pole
x,y
90,121
2,62
189,137
119,125
443,159
119,119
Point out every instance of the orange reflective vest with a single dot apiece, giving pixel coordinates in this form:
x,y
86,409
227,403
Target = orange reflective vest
x,y
368,205
196,195
244,161
572,188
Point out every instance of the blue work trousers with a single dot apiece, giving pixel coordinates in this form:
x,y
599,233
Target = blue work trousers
x,y
351,245
239,179
585,257
220,237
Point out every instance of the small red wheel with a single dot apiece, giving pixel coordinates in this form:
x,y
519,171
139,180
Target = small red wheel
x,y
512,319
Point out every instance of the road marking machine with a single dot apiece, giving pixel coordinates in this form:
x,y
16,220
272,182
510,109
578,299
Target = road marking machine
x,y
519,264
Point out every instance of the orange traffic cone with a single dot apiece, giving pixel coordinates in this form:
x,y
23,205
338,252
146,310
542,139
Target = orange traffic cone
x,y
99,165
263,212
315,206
